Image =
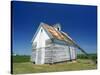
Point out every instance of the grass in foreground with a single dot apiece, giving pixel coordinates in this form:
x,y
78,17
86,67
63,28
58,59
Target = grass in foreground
x,y
28,67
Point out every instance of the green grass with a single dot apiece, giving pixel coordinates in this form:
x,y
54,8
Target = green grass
x,y
22,65
28,67
20,58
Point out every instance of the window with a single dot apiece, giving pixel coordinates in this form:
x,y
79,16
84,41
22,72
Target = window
x,y
41,30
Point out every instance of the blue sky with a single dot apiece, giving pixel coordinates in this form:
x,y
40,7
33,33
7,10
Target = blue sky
x,y
79,21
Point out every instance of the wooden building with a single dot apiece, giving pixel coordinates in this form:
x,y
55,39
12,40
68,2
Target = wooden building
x,y
51,45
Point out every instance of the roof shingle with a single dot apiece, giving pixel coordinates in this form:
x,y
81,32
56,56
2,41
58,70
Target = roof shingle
x,y
57,34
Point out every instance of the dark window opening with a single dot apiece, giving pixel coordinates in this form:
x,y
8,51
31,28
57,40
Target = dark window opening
x,y
41,30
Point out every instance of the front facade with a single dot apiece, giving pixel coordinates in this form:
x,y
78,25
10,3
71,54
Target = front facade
x,y
51,45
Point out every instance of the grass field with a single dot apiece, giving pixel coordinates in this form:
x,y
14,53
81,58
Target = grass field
x,y
28,67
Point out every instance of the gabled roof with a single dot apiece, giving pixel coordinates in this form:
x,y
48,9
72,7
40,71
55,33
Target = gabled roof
x,y
56,34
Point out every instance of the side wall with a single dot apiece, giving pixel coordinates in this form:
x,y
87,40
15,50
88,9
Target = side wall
x,y
59,53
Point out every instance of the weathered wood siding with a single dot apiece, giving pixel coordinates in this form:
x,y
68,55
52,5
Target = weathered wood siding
x,y
39,56
61,53
53,52
58,53
73,52
38,43
33,55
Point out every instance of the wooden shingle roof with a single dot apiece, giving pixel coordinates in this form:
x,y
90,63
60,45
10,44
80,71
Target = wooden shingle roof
x,y
57,34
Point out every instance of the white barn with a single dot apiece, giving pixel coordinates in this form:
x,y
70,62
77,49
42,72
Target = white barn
x,y
51,45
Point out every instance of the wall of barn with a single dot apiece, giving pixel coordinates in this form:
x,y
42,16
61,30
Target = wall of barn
x,y
58,53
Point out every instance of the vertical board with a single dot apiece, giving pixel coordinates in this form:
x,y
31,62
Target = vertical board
x,y
33,56
73,53
38,56
67,52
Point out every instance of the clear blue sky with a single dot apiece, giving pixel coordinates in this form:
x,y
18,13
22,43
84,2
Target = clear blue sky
x,y
79,21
